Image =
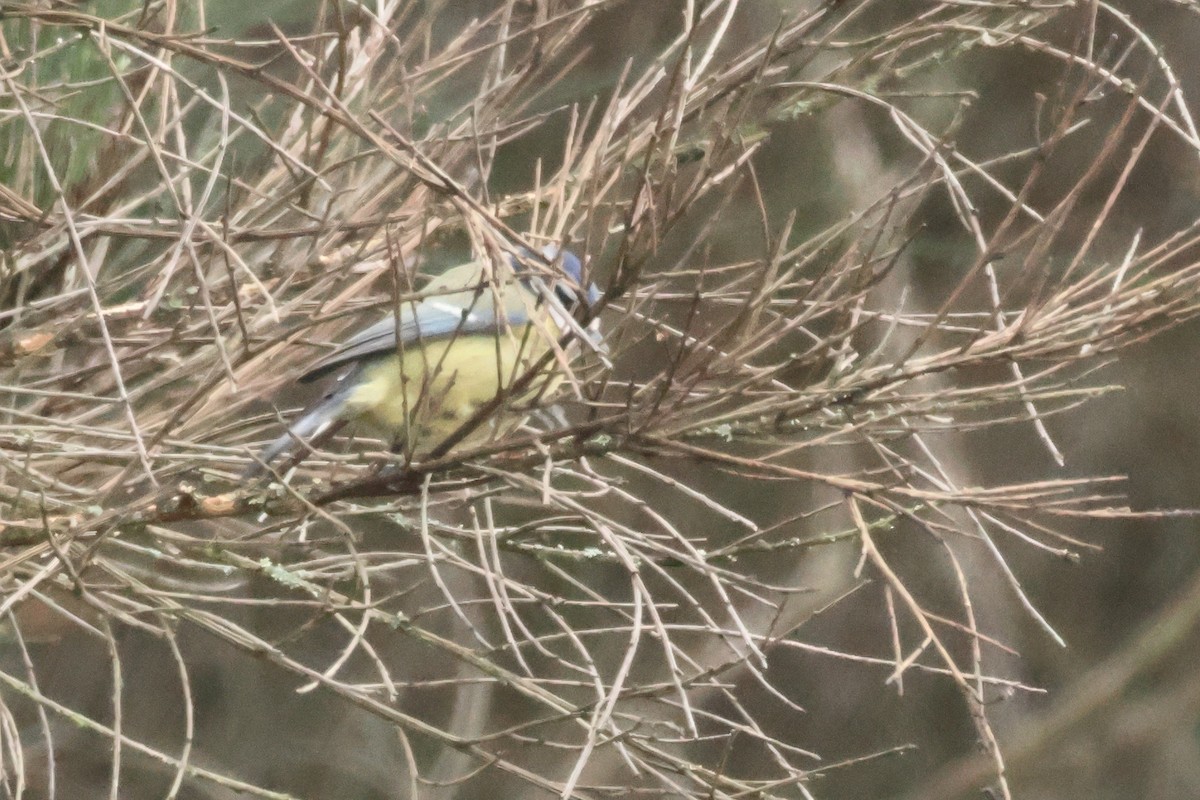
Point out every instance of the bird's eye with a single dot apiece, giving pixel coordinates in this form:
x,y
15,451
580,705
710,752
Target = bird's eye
x,y
565,296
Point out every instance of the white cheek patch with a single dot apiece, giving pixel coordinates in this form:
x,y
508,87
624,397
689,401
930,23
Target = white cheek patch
x,y
560,319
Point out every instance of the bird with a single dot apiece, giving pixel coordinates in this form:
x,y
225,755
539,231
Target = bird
x,y
417,375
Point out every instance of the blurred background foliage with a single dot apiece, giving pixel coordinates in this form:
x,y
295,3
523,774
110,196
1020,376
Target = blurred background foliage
x,y
1120,714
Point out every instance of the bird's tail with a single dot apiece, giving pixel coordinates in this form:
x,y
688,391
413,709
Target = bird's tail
x,y
311,430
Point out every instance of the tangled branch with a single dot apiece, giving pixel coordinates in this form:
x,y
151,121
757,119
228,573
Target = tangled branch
x,y
598,605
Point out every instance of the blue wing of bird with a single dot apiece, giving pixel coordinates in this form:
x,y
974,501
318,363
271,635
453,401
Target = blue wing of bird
x,y
439,317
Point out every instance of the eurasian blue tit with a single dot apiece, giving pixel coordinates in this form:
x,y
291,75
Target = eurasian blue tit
x,y
419,373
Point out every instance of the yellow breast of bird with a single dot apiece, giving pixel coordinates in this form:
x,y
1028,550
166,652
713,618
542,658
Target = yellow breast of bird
x,y
424,395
